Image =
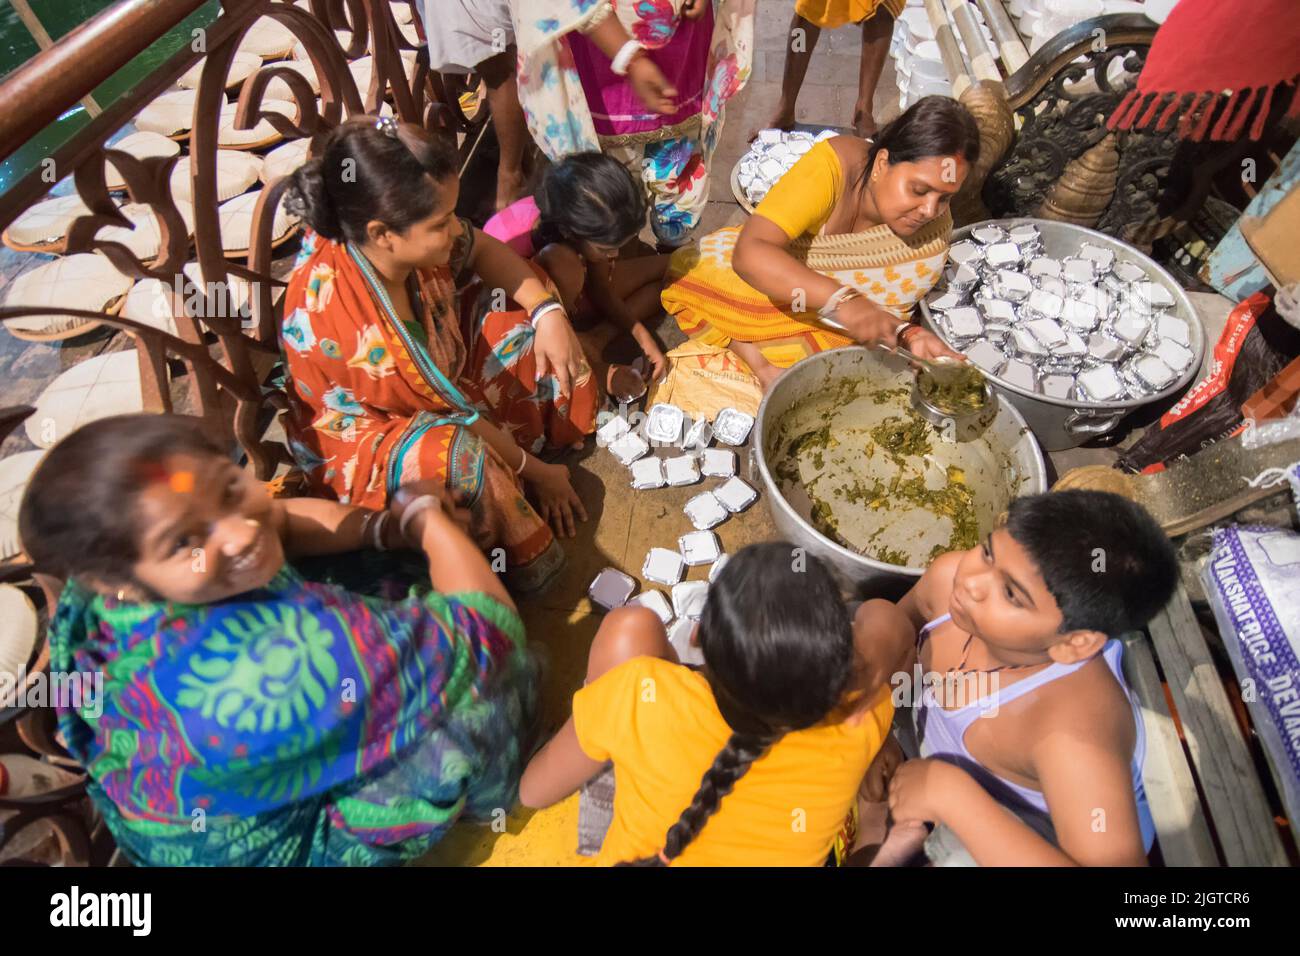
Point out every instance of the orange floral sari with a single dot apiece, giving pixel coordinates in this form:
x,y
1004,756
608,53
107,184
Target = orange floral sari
x,y
376,402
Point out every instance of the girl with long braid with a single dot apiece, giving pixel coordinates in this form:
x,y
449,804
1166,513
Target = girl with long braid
x,y
765,747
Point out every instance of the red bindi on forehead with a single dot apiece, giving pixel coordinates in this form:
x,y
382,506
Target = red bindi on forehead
x,y
179,480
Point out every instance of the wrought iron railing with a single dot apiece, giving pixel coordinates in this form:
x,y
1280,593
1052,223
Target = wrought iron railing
x,y
225,382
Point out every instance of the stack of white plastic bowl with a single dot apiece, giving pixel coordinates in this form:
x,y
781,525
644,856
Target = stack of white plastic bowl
x,y
916,58
1040,20
923,74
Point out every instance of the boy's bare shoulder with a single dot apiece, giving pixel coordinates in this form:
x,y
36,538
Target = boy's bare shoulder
x,y
1087,705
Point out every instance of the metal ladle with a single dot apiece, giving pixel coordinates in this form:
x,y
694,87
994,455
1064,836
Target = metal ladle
x,y
962,424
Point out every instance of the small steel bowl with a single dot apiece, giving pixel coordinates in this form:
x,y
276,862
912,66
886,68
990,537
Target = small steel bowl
x,y
963,426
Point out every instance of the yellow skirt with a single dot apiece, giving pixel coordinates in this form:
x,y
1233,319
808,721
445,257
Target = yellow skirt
x,y
713,305
830,14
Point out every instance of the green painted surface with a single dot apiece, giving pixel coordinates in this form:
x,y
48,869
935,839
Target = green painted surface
x,y
60,17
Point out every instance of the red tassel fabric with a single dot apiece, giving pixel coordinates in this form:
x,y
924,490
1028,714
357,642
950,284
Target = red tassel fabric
x,y
1228,107
1244,112
1171,111
1197,117
1216,45
1261,114
1122,118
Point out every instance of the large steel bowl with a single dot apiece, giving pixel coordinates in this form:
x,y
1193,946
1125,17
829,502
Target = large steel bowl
x,y
1015,463
1061,423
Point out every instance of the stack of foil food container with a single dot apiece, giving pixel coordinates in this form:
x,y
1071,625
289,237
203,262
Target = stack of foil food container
x,y
771,154
1067,317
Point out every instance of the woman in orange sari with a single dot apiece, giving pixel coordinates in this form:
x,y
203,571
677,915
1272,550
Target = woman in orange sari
x,y
419,348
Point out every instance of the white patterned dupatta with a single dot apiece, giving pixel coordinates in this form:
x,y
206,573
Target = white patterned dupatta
x,y
550,90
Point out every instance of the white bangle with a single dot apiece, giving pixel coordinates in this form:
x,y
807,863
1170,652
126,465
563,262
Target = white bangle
x,y
545,311
837,299
623,58
523,461
378,525
415,507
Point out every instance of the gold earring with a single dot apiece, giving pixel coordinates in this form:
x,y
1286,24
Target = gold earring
x,y
121,594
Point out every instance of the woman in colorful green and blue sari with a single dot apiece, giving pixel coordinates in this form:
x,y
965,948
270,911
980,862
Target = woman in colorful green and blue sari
x,y
249,715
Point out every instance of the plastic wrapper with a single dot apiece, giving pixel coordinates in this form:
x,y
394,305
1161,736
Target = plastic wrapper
x,y
1251,580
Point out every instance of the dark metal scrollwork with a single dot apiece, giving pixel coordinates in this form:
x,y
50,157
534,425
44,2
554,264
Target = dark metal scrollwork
x,y
1064,115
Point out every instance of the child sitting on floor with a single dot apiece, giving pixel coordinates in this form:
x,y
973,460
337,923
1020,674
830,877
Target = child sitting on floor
x,y
587,209
754,760
1045,769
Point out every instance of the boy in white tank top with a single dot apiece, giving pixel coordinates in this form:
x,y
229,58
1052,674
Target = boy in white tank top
x,y
1031,746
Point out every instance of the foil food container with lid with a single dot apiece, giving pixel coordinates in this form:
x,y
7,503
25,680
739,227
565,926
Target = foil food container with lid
x,y
1118,308
1128,272
629,448
699,547
1044,267
679,636
681,470
1103,258
717,567
612,430
1079,270
1012,286
963,323
1002,255
663,566
736,494
989,234
705,511
664,423
648,473
732,426
718,463
611,588
947,300
1101,383
966,251
656,601
997,310
689,598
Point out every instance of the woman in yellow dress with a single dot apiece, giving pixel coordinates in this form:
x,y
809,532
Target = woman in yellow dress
x,y
810,18
839,251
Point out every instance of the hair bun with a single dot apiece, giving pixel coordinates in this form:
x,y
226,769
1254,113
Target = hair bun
x,y
307,197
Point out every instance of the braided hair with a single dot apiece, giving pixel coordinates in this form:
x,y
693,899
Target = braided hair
x,y
778,655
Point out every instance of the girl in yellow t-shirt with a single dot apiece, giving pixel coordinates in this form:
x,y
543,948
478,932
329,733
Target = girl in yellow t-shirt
x,y
757,758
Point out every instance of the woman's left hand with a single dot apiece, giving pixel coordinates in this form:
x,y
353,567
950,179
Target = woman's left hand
x,y
927,345
917,789
694,9
559,353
